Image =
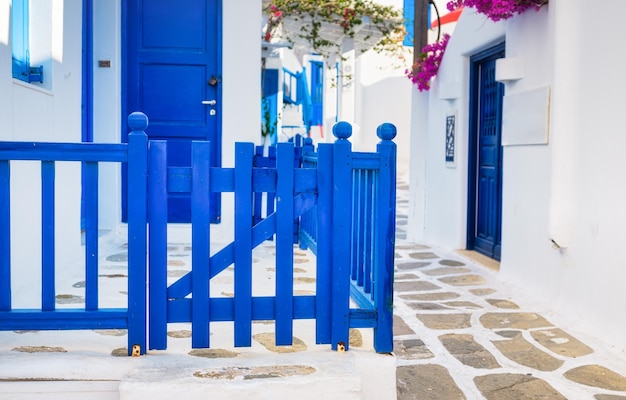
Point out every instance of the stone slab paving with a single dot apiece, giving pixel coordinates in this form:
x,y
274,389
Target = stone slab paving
x,y
460,334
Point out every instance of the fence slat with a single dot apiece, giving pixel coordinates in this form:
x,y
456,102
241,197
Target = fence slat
x,y
243,243
91,235
5,236
369,232
157,219
324,243
284,243
341,233
137,219
200,240
47,236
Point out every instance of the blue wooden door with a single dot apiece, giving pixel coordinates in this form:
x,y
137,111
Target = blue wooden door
x,y
485,205
172,76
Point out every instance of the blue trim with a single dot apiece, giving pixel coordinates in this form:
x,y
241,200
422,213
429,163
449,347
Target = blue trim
x,y
87,87
86,93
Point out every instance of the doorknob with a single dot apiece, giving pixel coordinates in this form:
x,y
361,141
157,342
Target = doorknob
x,y
209,102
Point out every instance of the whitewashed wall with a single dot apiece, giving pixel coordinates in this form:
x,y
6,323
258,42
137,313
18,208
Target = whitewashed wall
x,y
42,112
567,187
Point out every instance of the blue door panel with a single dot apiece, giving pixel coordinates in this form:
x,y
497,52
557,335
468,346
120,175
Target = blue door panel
x,y
179,25
171,57
485,199
173,102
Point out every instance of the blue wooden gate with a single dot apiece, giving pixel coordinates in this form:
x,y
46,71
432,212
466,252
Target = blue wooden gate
x,y
342,199
341,202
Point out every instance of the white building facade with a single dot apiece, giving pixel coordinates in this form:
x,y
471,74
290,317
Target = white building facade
x,y
58,34
561,217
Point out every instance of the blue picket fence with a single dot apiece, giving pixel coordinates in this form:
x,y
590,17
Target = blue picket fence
x,y
91,316
342,204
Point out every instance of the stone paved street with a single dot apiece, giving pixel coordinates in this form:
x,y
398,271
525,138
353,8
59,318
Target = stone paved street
x,y
459,334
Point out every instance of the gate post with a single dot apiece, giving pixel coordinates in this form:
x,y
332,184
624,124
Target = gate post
x,y
137,199
341,234
385,231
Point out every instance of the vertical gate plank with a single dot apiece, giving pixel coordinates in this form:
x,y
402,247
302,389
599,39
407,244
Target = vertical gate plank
x,y
200,242
342,216
137,218
157,219
284,243
324,243
5,236
357,226
370,217
91,235
47,236
243,244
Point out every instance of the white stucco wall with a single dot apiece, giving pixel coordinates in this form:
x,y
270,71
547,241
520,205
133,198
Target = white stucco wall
x,y
42,112
565,188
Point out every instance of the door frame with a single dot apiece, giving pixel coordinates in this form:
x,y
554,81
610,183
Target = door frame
x,y
124,98
472,201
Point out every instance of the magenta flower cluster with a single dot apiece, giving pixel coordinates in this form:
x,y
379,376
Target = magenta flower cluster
x,y
497,10
428,64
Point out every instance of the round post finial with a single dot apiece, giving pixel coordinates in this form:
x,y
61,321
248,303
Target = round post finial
x,y
138,121
386,131
342,130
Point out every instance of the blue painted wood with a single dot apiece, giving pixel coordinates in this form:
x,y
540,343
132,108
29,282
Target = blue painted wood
x,y
5,235
137,219
485,173
317,190
67,319
172,54
47,236
369,232
284,243
157,220
200,237
341,235
243,243
225,257
385,236
223,309
63,151
90,170
323,249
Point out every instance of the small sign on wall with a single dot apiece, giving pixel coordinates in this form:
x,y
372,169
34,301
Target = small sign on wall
x,y
451,139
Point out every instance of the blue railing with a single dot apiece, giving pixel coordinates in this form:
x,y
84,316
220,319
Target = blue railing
x,y
91,316
363,210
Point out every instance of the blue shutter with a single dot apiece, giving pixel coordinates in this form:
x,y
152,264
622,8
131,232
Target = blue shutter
x,y
20,44
409,12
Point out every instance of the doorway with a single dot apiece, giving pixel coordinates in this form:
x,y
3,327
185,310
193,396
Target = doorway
x,y
484,230
172,74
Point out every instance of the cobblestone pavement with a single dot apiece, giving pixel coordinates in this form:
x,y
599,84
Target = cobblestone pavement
x,y
460,335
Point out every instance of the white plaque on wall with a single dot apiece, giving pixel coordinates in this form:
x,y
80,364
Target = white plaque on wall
x,y
526,117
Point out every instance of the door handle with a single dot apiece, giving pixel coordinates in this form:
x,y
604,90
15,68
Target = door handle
x,y
209,102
